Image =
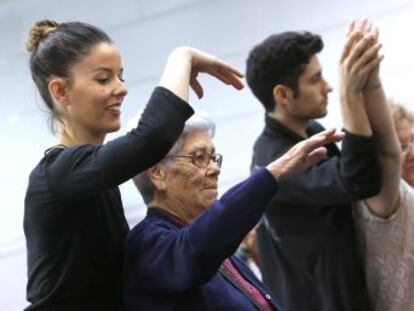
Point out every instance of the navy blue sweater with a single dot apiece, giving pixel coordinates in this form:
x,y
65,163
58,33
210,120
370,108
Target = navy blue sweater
x,y
173,268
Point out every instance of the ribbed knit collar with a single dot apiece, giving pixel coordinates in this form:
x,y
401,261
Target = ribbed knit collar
x,y
157,211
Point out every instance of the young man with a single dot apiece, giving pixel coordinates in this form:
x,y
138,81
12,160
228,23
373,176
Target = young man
x,y
309,255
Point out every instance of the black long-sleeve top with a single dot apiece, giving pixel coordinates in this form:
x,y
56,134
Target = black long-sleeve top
x,y
309,255
74,221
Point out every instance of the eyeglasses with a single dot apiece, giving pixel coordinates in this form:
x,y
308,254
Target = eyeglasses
x,y
202,158
407,147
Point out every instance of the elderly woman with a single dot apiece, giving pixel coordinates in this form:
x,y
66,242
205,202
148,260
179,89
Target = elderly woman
x,y
404,123
180,256
384,222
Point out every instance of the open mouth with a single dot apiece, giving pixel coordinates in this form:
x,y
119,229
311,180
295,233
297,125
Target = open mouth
x,y
115,109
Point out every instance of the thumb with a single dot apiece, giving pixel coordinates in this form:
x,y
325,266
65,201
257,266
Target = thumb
x,y
197,88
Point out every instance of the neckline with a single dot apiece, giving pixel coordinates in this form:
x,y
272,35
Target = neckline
x,y
178,221
58,146
275,126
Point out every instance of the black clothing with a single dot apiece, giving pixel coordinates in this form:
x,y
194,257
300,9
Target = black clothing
x,y
309,254
74,220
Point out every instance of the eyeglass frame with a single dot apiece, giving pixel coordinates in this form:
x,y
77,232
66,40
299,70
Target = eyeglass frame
x,y
215,157
407,147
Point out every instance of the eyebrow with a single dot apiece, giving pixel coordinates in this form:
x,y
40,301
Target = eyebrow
x,y
106,69
317,74
204,148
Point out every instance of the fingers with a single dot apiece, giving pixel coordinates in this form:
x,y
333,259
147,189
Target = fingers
x,y
204,62
236,82
360,58
357,29
360,25
220,76
313,146
359,49
369,59
326,133
219,69
304,154
375,33
369,67
228,74
228,79
367,26
316,156
231,69
350,27
353,38
197,88
322,138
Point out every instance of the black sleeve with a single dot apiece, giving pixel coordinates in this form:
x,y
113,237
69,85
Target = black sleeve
x,y
81,171
352,176
338,180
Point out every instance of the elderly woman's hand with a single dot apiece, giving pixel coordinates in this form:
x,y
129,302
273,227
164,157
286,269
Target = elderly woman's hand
x,y
303,155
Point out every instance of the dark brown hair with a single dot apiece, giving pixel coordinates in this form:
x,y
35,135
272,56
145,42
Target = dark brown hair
x,y
55,48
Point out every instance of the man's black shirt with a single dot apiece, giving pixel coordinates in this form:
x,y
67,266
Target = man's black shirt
x,y
309,254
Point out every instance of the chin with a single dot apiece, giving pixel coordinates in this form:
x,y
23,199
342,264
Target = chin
x,y
208,202
113,128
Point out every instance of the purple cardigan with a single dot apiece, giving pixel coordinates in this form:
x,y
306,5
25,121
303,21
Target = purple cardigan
x,y
169,267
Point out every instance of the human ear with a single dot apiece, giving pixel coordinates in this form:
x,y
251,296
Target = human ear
x,y
157,175
281,94
58,91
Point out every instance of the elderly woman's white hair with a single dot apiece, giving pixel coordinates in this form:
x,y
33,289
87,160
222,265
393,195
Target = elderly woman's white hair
x,y
199,121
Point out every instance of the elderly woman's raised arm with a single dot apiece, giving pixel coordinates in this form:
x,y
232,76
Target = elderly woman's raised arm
x,y
170,260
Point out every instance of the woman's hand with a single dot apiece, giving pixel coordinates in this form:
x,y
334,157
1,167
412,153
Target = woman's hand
x,y
360,59
365,27
303,155
185,63
206,63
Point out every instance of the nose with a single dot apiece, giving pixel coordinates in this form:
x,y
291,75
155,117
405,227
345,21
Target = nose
x,y
213,169
121,89
327,87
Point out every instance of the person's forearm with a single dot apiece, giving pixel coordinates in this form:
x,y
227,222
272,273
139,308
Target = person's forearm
x,y
381,121
354,116
380,118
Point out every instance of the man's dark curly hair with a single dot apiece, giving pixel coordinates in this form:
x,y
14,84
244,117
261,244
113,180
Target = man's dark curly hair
x,y
280,59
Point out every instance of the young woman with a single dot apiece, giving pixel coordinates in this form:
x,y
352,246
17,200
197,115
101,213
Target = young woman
x,y
74,221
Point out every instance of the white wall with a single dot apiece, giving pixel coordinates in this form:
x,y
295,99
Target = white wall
x,y
146,31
